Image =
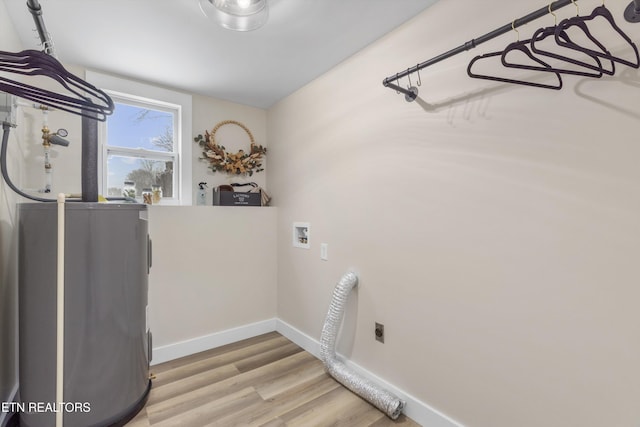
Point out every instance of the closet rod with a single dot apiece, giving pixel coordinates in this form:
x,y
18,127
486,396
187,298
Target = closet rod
x,y
412,92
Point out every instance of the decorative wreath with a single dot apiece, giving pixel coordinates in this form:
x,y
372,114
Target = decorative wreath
x,y
239,163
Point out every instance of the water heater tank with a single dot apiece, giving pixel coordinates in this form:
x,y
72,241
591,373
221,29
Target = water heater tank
x,y
106,338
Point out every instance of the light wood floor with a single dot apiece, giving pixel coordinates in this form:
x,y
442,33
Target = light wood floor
x,y
263,381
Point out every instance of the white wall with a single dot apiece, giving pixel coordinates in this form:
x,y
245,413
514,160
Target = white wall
x,y
214,269
495,227
208,112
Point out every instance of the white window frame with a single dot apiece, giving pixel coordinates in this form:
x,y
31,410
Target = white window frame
x,y
141,153
145,95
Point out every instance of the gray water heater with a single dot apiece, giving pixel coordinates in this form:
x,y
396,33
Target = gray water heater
x,y
107,343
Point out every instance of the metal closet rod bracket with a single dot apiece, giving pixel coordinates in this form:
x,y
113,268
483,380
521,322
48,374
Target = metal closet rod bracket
x,y
36,10
411,92
632,12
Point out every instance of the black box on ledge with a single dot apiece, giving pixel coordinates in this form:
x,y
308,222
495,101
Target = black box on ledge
x,y
236,198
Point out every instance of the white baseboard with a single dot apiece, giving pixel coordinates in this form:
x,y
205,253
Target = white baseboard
x,y
207,342
13,397
418,411
305,341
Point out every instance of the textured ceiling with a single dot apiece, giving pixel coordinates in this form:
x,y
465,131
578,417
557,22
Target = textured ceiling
x,y
171,42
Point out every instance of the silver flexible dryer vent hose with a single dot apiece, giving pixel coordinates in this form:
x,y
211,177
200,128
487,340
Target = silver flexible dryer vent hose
x,y
382,399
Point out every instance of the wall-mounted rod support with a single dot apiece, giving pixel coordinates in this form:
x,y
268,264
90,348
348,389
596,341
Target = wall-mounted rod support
x,y
632,12
411,93
45,37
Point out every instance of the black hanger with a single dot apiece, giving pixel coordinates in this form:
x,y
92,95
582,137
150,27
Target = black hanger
x,y
523,46
36,63
605,13
596,66
31,62
543,33
80,98
505,80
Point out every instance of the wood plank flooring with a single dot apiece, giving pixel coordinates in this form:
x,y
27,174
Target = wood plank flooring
x,y
263,381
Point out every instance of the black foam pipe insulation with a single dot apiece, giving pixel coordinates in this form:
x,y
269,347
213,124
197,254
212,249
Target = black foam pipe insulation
x,y
89,159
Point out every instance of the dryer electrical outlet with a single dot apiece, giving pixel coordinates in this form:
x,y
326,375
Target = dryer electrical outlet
x,y
379,332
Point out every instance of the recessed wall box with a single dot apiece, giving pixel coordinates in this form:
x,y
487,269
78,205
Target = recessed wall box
x,y
301,235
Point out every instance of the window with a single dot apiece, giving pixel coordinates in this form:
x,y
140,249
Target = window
x,y
140,147
146,140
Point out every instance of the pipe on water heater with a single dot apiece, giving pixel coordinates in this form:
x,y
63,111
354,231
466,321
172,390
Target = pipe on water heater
x,y
60,311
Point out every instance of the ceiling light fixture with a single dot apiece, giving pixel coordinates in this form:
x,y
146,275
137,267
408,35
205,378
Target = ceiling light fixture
x,y
237,15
